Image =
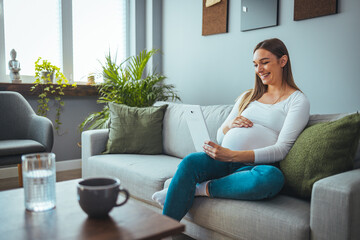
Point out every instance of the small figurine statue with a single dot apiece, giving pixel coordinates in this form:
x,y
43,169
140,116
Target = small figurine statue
x,y
14,66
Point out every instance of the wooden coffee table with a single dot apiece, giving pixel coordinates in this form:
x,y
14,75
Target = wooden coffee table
x,y
68,221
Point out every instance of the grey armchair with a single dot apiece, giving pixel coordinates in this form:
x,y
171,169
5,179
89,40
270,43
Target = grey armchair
x,y
21,130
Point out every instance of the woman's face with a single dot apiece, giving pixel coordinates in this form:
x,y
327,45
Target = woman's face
x,y
268,67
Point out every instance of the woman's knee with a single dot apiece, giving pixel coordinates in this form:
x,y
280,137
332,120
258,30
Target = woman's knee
x,y
253,183
268,172
268,179
195,160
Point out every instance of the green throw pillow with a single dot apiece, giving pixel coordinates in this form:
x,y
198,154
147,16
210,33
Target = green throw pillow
x,y
321,150
135,130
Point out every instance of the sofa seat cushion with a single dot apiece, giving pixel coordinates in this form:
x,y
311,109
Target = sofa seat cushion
x,y
277,218
19,147
142,175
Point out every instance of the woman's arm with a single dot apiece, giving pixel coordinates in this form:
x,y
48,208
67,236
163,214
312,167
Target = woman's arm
x,y
295,122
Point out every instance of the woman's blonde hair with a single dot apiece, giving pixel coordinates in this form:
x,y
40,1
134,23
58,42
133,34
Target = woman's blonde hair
x,y
278,48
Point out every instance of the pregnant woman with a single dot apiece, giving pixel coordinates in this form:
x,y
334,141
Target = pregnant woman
x,y
258,133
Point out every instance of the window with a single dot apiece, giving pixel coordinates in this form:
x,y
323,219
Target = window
x,y
98,26
32,28
35,28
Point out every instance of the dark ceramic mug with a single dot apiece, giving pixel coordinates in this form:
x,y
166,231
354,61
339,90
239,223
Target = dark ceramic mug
x,y
97,196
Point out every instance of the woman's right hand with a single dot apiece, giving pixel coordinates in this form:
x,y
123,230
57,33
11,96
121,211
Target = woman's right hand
x,y
238,122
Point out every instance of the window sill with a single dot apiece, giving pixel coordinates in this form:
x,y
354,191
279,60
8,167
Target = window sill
x,y
24,89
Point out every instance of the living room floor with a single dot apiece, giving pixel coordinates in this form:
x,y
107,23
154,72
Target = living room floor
x,y
13,183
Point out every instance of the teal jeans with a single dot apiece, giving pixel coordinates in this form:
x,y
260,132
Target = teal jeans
x,y
228,180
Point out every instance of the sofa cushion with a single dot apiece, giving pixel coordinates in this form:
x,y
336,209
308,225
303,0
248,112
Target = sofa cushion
x,y
289,217
276,218
19,147
142,175
176,136
321,150
318,118
135,130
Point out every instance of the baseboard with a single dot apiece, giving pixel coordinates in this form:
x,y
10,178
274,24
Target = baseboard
x,y
60,166
68,165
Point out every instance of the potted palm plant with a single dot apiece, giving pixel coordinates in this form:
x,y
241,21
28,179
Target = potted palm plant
x,y
128,84
44,84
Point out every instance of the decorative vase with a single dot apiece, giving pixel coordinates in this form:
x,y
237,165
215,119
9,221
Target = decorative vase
x,y
47,76
91,80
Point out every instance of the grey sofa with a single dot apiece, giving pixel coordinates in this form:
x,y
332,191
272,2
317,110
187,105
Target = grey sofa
x,y
21,130
332,213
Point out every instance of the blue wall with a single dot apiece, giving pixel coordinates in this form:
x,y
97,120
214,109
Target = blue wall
x,y
215,69
75,111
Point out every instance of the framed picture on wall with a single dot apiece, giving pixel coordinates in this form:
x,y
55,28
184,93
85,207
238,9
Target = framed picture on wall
x,y
258,14
215,17
305,9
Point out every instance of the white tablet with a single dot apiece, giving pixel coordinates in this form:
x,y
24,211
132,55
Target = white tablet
x,y
197,126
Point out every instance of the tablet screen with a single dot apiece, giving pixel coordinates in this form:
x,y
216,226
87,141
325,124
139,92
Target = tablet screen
x,y
197,126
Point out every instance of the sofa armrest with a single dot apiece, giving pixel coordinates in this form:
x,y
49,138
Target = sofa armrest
x,y
335,207
41,130
93,142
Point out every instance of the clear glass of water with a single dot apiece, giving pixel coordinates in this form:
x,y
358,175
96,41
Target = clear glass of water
x,y
39,176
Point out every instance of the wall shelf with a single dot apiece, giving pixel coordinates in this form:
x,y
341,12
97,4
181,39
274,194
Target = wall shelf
x,y
24,89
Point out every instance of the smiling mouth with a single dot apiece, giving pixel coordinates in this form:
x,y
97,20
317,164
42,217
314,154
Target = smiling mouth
x,y
262,76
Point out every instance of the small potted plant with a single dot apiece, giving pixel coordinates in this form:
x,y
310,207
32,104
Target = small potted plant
x,y
128,84
45,73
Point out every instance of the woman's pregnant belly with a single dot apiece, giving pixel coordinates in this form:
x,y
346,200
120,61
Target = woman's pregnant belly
x,y
251,138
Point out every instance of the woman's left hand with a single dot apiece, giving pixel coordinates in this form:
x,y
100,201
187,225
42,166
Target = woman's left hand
x,y
218,152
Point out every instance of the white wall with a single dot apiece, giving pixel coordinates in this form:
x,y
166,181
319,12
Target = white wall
x,y
215,69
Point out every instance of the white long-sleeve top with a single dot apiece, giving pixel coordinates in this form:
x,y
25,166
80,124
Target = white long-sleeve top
x,y
274,131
